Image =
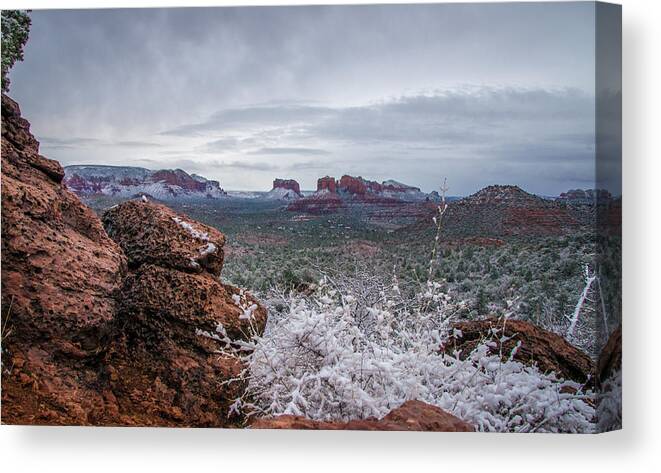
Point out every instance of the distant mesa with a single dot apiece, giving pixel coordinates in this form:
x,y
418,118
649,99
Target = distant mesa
x,y
587,196
128,181
285,189
383,201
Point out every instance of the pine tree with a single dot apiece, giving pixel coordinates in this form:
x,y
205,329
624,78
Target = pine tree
x,y
15,33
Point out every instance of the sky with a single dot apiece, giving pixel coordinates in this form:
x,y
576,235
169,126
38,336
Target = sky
x,y
476,93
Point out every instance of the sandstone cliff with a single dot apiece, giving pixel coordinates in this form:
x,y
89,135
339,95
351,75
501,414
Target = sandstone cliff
x,y
106,331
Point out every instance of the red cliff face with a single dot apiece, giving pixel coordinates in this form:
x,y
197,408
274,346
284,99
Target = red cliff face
x,y
327,183
358,185
367,197
289,184
179,178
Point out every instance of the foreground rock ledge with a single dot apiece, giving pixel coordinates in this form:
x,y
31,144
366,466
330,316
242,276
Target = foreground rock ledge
x,y
412,415
103,331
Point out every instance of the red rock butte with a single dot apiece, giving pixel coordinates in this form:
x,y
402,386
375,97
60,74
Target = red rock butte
x,y
289,184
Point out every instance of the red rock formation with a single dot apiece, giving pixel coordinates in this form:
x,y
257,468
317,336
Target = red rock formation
x,y
358,185
365,197
289,184
166,309
126,181
178,178
171,239
85,344
318,204
59,275
548,351
327,183
412,415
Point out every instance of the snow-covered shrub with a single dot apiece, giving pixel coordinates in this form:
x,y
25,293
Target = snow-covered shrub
x,y
357,349
358,346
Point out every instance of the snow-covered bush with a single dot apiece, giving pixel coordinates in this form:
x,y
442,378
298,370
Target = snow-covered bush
x,y
356,350
358,346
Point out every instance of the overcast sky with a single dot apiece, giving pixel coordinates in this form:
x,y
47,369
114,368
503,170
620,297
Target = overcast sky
x,y
480,94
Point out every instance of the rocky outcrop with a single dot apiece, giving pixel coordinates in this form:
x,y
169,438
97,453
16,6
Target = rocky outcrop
x,y
99,331
358,185
289,184
548,351
173,306
60,274
128,182
390,203
150,233
285,189
326,183
585,196
175,267
412,415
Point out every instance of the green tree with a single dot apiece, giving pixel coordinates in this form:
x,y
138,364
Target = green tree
x,y
15,33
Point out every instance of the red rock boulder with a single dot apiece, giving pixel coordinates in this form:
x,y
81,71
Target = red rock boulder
x,y
412,415
151,233
548,351
90,340
173,319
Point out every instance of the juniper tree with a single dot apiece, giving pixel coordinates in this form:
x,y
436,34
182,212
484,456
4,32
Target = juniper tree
x,y
15,32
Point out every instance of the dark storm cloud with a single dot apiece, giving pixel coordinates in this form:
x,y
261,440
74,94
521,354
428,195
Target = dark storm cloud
x,y
366,89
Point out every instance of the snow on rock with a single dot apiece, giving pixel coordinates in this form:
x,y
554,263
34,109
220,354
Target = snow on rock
x,y
285,189
391,197
128,181
153,233
546,350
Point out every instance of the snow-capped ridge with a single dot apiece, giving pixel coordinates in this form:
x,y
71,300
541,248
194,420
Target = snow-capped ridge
x,y
128,181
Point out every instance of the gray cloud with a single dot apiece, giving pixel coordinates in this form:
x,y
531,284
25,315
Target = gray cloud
x,y
480,93
66,143
292,151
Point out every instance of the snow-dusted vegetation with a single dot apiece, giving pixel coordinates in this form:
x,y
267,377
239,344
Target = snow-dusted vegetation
x,y
357,346
357,349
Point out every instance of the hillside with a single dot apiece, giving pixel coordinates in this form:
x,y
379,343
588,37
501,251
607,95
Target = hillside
x,y
504,210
